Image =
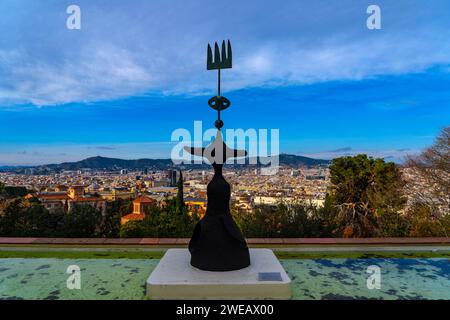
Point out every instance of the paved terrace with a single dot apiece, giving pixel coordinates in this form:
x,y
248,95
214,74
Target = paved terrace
x,y
300,245
251,241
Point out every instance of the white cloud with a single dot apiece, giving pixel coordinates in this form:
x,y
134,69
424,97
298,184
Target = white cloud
x,y
149,47
99,73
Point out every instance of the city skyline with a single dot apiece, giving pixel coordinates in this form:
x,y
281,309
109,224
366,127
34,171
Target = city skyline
x,y
123,83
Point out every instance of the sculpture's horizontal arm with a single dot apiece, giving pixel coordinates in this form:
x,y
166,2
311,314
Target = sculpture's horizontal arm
x,y
195,151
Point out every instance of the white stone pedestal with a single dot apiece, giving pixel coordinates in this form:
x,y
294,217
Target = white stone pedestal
x,y
175,278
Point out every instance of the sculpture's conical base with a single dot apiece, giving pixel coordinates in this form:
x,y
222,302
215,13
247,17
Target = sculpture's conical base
x,y
217,243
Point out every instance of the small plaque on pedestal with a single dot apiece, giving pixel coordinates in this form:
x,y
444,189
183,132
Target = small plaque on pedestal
x,y
175,278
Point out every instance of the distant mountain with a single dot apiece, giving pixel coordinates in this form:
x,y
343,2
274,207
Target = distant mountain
x,y
100,163
5,168
112,164
291,160
108,164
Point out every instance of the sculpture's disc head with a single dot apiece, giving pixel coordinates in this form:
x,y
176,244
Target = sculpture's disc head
x,y
219,103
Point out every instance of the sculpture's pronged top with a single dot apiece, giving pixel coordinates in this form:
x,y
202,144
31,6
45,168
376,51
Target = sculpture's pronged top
x,y
224,62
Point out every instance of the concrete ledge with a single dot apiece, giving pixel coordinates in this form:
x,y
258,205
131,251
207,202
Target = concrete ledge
x,y
252,241
175,278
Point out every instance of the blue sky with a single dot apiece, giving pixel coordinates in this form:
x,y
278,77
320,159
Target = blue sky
x,y
136,71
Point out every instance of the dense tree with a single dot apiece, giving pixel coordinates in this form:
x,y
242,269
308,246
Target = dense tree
x,y
283,220
23,219
424,222
110,221
14,192
109,226
132,229
9,222
264,221
34,201
180,195
10,192
362,190
81,221
121,206
393,224
326,219
161,222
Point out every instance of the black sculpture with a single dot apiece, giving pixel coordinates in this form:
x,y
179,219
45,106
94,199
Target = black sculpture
x,y
217,243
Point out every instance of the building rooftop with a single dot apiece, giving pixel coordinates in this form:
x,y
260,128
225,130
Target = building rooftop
x,y
143,199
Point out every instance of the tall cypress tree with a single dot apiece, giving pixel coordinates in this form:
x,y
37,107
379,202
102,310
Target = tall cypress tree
x,y
180,195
